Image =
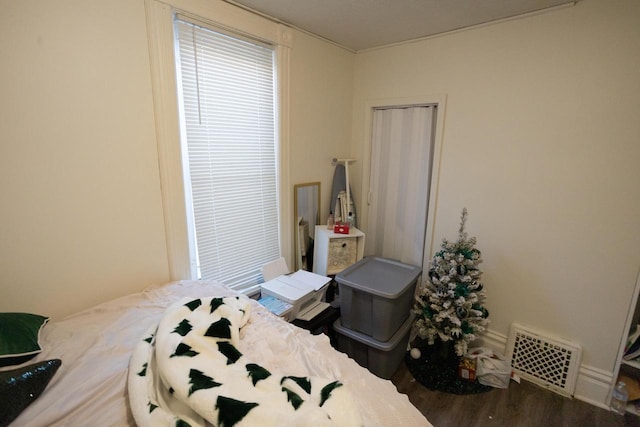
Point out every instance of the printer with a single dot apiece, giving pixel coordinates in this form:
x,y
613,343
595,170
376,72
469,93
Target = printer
x,y
303,291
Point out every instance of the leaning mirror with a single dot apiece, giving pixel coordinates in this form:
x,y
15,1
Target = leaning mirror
x,y
306,204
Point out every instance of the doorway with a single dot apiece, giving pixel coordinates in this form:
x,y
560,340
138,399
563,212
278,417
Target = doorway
x,y
403,149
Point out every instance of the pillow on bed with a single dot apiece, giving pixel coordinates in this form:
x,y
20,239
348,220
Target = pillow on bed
x,y
19,387
19,336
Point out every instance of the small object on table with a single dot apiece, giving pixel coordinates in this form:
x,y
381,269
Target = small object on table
x,y
341,228
330,221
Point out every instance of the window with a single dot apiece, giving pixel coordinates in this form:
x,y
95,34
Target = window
x,y
227,97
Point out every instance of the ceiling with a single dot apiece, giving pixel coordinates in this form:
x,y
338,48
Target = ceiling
x,y
365,24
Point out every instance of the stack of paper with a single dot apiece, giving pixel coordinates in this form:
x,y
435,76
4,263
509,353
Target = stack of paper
x,y
294,287
276,306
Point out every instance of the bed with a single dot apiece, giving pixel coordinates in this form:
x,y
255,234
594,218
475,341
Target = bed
x,y
96,347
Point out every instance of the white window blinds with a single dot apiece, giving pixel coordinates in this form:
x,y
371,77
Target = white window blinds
x,y
228,121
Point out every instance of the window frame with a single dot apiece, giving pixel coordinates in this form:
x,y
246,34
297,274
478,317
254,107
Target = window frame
x,y
160,29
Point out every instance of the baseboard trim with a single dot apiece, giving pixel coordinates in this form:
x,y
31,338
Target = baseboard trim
x,y
493,340
592,385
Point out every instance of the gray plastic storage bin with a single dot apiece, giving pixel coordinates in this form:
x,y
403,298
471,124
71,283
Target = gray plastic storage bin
x,y
376,295
380,358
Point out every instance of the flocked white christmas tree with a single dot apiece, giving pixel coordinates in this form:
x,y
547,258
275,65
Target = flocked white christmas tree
x,y
450,303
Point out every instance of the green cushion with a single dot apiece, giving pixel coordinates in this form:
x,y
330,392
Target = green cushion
x,y
19,336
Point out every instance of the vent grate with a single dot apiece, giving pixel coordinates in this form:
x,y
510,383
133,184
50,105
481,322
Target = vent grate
x,y
548,361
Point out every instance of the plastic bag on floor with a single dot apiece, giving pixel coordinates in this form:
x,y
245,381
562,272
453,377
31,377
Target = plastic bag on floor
x,y
491,369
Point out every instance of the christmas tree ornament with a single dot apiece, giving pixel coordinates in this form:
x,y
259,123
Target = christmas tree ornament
x,y
415,353
449,306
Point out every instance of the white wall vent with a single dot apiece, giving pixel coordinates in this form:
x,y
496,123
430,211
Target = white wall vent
x,y
548,361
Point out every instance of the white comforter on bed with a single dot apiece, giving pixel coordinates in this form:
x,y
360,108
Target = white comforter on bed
x,y
95,347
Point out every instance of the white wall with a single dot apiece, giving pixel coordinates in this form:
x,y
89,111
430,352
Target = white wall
x,y
321,96
81,217
541,144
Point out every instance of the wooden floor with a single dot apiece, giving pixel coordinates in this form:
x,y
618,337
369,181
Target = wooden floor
x,y
523,404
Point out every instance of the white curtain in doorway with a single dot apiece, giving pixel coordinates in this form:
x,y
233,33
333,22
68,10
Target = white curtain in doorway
x,y
401,156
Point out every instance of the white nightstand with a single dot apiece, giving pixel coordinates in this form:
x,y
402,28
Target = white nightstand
x,y
334,252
